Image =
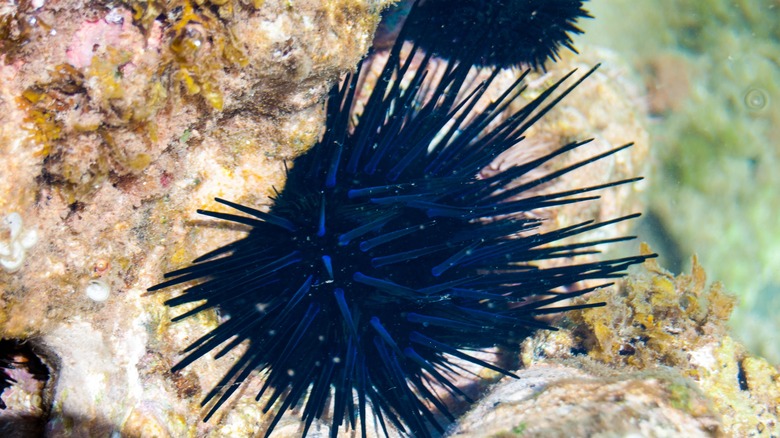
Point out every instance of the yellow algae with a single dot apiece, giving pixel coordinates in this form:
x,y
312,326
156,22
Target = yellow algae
x,y
179,257
662,291
762,379
70,102
655,316
656,319
140,162
202,45
19,25
104,71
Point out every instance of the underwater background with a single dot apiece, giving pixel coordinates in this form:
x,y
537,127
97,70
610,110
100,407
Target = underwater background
x,y
712,72
120,120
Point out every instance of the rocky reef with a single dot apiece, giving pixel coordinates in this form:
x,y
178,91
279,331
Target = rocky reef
x,y
118,120
658,360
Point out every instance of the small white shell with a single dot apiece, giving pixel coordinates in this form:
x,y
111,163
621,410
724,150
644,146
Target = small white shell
x,y
97,290
13,250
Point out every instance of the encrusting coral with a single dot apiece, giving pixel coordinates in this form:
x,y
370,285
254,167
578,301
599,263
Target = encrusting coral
x,y
125,80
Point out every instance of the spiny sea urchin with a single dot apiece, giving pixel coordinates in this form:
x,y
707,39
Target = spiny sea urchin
x,y
497,32
386,258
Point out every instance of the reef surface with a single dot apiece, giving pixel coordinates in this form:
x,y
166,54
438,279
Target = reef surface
x,y
118,121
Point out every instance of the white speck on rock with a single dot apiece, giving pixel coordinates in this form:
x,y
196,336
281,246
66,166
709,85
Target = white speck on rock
x,y
115,16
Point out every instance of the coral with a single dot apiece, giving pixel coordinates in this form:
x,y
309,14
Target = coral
x,y
110,175
19,26
657,318
129,78
118,224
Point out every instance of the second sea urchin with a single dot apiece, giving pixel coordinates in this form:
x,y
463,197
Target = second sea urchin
x,y
387,260
496,32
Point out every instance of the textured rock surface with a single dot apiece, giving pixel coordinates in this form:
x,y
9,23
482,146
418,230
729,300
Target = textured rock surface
x,y
555,400
673,329
108,150
117,122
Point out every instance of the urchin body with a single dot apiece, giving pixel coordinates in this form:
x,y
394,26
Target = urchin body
x,y
386,258
500,32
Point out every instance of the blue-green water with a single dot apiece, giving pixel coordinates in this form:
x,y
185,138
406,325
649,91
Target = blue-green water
x,y
712,75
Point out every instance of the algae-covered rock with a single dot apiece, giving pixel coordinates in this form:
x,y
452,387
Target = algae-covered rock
x,y
656,324
99,90
120,120
117,121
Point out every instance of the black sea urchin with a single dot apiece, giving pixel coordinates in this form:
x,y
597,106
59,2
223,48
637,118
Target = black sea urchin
x,y
497,32
386,258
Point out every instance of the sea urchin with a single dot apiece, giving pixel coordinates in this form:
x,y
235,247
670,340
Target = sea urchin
x,y
386,258
496,32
